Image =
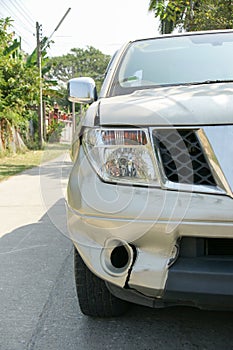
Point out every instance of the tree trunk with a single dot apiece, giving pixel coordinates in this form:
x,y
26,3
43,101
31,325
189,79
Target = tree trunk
x,y
10,139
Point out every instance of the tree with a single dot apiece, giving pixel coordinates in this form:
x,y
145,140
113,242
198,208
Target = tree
x,y
214,14
191,15
19,86
80,62
173,14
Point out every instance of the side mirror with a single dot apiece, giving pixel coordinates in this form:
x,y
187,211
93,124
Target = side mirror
x,y
82,90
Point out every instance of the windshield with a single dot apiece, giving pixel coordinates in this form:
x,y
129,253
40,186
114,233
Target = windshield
x,y
175,61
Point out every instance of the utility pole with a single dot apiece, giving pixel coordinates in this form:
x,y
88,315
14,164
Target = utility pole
x,y
40,107
39,49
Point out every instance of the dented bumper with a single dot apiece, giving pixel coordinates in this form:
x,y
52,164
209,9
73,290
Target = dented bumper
x,y
132,238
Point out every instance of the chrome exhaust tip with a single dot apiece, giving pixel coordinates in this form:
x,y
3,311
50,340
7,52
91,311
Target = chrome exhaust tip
x,y
117,256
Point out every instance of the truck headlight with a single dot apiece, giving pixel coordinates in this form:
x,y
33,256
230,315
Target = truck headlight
x,y
121,155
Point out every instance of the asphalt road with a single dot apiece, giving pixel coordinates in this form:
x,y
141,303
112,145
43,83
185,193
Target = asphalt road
x,y
38,304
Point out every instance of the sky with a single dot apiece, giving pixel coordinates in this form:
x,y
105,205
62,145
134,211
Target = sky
x,y
104,24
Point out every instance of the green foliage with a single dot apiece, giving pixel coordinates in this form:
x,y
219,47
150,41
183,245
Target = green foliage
x,y
89,62
191,15
213,14
13,49
20,83
32,58
54,131
171,13
19,89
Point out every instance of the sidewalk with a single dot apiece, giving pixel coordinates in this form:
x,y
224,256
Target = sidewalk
x,y
33,247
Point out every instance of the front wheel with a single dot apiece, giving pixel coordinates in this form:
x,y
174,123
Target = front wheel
x,y
93,295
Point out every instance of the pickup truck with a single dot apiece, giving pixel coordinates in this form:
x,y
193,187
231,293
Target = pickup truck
x,y
150,194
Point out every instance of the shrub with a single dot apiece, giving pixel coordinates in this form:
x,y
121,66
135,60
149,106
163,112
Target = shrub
x,y
54,131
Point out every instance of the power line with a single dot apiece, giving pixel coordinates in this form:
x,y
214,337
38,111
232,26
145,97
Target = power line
x,y
23,13
21,26
11,12
27,12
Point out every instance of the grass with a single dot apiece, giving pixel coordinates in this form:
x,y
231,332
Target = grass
x,y
16,163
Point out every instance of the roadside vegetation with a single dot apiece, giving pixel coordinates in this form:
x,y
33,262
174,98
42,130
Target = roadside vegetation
x,y
192,15
20,146
20,90
18,162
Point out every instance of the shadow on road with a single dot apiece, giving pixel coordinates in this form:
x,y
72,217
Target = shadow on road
x,y
31,257
63,326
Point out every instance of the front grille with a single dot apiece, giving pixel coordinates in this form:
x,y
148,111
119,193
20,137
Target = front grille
x,y
182,157
191,247
219,246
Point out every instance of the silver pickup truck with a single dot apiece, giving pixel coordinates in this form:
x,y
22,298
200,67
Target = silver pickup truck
x,y
150,194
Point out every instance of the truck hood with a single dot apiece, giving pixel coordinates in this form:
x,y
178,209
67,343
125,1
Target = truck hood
x,y
180,105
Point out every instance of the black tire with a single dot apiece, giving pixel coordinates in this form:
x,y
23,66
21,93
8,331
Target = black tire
x,y
94,297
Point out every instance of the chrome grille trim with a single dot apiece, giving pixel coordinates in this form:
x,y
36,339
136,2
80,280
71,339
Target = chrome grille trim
x,y
220,138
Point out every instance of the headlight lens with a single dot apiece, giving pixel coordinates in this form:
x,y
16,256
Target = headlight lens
x,y
121,155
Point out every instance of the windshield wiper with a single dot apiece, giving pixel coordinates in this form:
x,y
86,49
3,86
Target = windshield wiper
x,y
208,82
